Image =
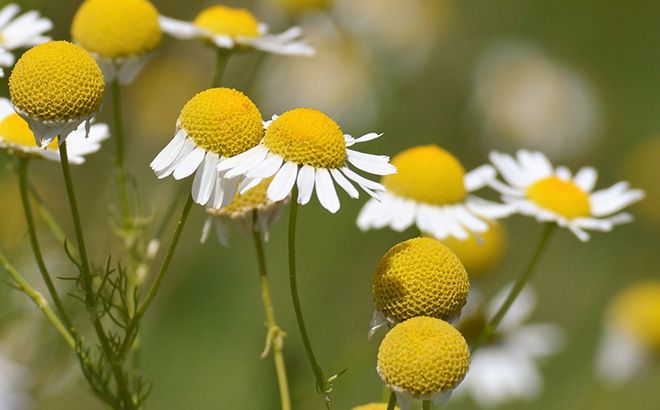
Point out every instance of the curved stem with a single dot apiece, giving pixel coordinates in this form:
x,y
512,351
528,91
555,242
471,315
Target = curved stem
x,y
119,146
321,382
518,286
391,403
39,300
223,56
25,198
90,299
275,334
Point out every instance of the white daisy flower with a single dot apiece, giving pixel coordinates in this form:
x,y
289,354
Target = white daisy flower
x,y
14,385
306,148
22,32
120,34
430,190
233,28
251,211
17,138
506,368
631,340
535,188
213,126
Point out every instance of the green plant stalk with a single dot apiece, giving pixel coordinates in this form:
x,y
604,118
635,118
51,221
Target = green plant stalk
x,y
122,384
36,249
119,153
40,301
222,59
48,218
391,403
426,405
518,286
274,332
321,382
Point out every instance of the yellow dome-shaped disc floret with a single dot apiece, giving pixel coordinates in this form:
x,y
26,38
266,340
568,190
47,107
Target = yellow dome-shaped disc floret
x,y
228,21
481,252
307,137
374,406
253,200
56,81
222,120
637,310
420,277
117,28
560,196
423,356
427,174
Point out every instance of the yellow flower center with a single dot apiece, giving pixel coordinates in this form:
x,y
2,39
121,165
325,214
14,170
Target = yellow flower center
x,y
307,137
423,356
427,174
117,28
253,200
228,21
14,130
222,120
57,81
637,309
374,406
559,196
481,252
420,277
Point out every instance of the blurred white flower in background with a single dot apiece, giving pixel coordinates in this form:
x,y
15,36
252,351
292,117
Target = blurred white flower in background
x,y
505,368
23,31
525,98
13,385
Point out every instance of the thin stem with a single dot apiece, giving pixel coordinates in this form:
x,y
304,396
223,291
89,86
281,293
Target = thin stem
x,y
90,300
426,404
48,218
321,382
223,56
119,146
275,334
39,300
518,286
391,403
23,184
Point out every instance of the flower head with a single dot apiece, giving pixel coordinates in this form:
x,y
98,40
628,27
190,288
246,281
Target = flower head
x,y
306,147
25,31
423,357
17,138
632,333
430,190
119,33
373,406
538,189
55,87
481,252
233,28
419,277
214,125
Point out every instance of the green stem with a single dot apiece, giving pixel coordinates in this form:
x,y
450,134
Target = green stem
x,y
223,56
426,405
90,299
321,382
48,218
120,158
518,286
391,403
275,334
23,185
39,300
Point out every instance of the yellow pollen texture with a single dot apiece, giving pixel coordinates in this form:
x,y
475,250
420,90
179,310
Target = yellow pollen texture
x,y
253,200
14,130
427,174
56,81
423,356
559,196
222,120
420,277
637,309
308,137
117,28
374,406
481,252
228,21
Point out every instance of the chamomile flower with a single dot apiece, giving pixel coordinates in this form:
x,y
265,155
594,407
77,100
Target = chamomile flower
x,y
535,188
506,367
25,31
430,190
481,252
374,406
17,138
305,147
213,126
234,28
418,277
250,211
120,34
55,87
631,341
423,358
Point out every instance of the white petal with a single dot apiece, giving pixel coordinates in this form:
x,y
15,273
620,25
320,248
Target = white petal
x,y
177,28
585,178
205,179
223,41
236,160
187,147
344,183
613,199
7,13
190,163
305,184
373,164
254,160
510,170
325,190
367,185
165,158
281,185
267,168
479,177
579,232
469,220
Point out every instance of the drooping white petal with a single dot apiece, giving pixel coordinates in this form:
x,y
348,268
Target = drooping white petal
x,y
187,147
579,232
325,190
306,177
222,41
189,164
204,180
373,164
168,154
368,186
283,182
479,177
238,159
469,220
344,183
255,159
267,168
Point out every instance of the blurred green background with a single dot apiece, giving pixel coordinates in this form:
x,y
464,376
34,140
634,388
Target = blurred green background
x,y
414,70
